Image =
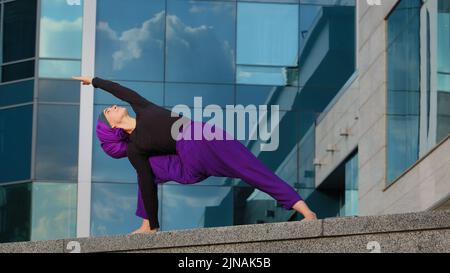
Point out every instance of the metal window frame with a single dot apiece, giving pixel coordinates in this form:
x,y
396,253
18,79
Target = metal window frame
x,y
86,120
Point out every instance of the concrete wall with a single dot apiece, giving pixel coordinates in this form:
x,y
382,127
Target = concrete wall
x,y
421,187
413,232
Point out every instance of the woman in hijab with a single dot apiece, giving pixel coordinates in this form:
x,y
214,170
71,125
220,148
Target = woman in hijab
x,y
193,160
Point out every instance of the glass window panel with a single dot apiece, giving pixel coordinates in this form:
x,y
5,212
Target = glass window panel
x,y
402,144
284,97
151,91
443,76
60,21
443,116
403,88
267,34
19,30
15,93
195,207
403,102
106,168
15,212
350,206
54,211
113,209
211,94
327,37
444,37
131,48
444,82
399,20
267,44
17,71
59,68
15,143
266,75
57,142
314,98
200,41
59,91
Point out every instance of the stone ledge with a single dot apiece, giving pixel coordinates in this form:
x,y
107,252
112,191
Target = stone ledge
x,y
411,232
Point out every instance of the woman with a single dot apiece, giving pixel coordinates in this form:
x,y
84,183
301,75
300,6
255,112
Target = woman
x,y
160,155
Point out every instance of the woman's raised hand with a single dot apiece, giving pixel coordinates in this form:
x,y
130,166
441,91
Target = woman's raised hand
x,y
84,80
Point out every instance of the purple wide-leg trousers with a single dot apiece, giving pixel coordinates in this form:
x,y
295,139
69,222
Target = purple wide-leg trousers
x,y
197,160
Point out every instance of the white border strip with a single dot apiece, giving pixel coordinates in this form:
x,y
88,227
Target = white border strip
x,y
86,121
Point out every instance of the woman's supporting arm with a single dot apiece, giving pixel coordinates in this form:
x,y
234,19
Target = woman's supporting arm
x,y
147,185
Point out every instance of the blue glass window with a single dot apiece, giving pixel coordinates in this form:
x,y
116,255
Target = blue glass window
x,y
59,91
113,209
54,211
57,142
17,71
200,41
15,143
327,38
15,93
257,95
211,94
15,212
131,48
62,22
403,87
194,207
59,69
267,44
19,30
443,77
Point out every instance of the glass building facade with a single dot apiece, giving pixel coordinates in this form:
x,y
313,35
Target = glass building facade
x,y
283,52
418,81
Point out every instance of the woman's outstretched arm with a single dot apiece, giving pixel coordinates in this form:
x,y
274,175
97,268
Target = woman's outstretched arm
x,y
119,91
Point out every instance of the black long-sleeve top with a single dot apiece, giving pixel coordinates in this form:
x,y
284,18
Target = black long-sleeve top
x,y
152,136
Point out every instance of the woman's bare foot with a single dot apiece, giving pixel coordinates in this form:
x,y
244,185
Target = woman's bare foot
x,y
145,228
145,231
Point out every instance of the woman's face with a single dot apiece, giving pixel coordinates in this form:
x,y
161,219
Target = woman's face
x,y
114,114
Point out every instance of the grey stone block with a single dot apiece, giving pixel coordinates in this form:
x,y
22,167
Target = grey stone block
x,y
203,236
386,223
55,246
437,241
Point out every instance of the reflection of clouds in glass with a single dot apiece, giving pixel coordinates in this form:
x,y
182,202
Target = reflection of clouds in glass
x,y
60,38
210,8
199,198
202,47
110,205
184,205
59,68
113,209
131,41
54,211
176,28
